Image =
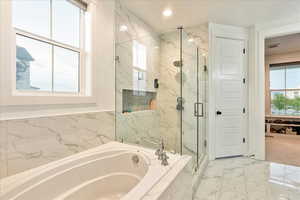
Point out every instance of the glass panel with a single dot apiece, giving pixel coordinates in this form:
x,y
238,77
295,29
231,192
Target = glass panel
x,y
66,70
66,22
277,78
278,103
293,103
33,65
293,77
32,16
190,92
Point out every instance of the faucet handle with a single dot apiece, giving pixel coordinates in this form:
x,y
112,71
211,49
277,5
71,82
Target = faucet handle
x,y
158,152
162,145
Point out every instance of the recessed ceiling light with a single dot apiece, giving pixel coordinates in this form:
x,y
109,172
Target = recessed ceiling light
x,y
191,40
123,28
167,12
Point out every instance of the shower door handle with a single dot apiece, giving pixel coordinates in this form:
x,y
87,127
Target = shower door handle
x,y
196,109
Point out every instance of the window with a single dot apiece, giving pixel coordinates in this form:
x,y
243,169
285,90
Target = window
x,y
285,89
139,54
49,45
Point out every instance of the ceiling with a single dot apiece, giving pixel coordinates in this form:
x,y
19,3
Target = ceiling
x,y
189,13
287,44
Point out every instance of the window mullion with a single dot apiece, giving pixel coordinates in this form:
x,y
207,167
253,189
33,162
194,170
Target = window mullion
x,y
52,68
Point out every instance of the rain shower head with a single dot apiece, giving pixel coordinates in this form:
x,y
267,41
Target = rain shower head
x,y
177,63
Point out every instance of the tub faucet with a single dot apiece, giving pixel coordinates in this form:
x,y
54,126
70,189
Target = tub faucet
x,y
160,150
162,155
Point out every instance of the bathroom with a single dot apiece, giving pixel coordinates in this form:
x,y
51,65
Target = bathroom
x,y
137,100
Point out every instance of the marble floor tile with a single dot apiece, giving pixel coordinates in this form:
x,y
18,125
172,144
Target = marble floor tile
x,y
248,179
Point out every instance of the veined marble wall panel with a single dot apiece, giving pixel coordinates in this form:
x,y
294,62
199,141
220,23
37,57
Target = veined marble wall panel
x,y
169,91
170,86
141,127
37,141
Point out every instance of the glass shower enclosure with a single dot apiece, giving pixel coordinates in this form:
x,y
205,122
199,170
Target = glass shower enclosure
x,y
160,87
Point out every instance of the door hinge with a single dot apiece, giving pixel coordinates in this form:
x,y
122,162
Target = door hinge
x,y
244,51
244,110
244,80
205,143
244,140
205,68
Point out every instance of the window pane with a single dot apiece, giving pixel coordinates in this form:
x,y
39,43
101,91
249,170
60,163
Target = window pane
x,y
293,77
277,78
33,65
293,103
278,103
139,52
32,16
66,70
66,22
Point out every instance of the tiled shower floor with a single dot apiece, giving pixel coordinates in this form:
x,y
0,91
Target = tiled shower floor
x,y
248,179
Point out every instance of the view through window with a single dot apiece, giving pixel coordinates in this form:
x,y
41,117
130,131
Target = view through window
x,y
285,89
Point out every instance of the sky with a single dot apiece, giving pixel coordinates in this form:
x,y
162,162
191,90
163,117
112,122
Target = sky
x,y
278,80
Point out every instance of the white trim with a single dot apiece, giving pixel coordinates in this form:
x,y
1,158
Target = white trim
x,y
225,31
259,33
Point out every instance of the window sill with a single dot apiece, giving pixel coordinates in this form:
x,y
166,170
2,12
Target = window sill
x,y
43,99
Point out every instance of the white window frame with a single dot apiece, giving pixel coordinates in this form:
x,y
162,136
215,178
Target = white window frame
x,y
11,96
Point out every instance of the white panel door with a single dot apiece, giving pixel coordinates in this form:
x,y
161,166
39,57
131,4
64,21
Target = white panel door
x,y
230,101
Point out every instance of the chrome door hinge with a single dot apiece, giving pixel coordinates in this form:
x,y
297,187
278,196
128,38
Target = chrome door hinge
x,y
205,68
244,140
244,80
205,143
244,51
244,110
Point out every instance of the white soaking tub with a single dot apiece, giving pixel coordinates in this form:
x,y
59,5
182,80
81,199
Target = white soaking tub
x,y
109,172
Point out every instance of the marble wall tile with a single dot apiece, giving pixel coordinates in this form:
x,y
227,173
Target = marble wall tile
x,y
169,89
139,127
37,141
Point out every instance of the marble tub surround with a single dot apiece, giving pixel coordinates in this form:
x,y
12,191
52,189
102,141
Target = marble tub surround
x,y
154,180
37,141
178,188
248,179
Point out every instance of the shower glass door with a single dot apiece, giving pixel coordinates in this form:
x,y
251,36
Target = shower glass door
x,y
193,94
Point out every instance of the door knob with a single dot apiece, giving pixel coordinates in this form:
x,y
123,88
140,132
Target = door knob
x,y
219,112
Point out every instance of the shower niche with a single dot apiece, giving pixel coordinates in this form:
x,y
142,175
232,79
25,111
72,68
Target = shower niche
x,y
137,100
